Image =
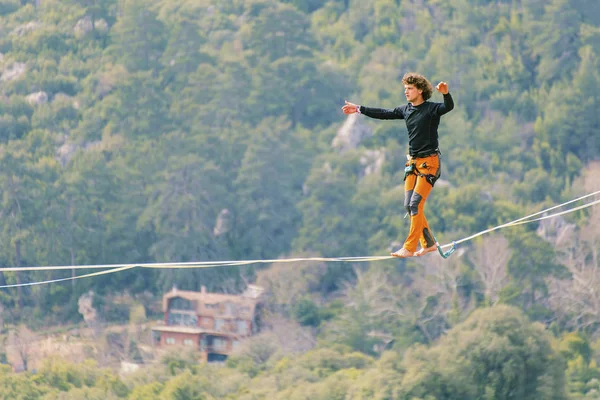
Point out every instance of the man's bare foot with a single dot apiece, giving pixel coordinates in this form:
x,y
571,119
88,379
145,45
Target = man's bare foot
x,y
403,253
426,250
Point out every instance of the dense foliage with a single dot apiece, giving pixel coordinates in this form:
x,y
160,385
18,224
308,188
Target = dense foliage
x,y
477,360
137,131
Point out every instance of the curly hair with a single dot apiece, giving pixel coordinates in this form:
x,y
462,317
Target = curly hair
x,y
420,82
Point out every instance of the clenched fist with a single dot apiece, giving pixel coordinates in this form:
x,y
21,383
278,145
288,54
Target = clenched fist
x,y
442,87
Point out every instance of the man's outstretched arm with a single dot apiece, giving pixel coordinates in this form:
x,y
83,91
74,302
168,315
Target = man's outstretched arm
x,y
378,113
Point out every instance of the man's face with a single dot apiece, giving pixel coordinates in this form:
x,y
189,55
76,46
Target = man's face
x,y
411,93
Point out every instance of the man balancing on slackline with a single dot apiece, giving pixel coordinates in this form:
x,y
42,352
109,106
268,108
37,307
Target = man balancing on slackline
x,y
423,167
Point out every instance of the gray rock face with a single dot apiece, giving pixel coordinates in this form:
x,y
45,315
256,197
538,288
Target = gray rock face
x,y
101,25
373,161
24,29
65,152
223,223
37,98
15,71
86,308
352,132
83,26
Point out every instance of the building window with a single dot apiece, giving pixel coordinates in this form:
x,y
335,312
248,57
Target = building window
x,y
178,303
188,342
220,344
170,340
174,319
235,344
180,319
242,327
219,324
230,308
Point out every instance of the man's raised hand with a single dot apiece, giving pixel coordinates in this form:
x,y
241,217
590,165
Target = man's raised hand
x,y
442,87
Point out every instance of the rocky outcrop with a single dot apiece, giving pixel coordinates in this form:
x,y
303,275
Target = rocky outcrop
x,y
24,29
85,26
37,98
372,161
223,223
352,132
65,152
86,308
101,25
15,71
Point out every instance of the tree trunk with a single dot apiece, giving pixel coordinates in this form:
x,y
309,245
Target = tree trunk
x,y
24,359
18,273
73,272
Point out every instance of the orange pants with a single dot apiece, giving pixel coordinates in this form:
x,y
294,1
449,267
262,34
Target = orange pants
x,y
416,189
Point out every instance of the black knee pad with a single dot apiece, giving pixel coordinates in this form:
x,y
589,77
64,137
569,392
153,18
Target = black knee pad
x,y
415,200
407,197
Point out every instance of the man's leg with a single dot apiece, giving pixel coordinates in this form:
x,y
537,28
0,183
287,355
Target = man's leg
x,y
409,188
418,222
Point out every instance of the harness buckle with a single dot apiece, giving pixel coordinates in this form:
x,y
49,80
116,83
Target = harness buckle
x,y
409,169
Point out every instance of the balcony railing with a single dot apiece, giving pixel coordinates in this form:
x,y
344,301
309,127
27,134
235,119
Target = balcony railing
x,y
215,349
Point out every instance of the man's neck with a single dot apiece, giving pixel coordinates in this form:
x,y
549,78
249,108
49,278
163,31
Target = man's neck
x,y
417,102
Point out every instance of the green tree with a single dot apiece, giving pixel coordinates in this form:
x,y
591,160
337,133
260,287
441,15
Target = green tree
x,y
531,261
19,386
98,9
216,96
185,386
557,40
8,6
149,391
582,369
183,54
299,88
184,194
572,118
495,354
307,6
328,213
138,37
15,117
268,187
26,185
138,107
278,31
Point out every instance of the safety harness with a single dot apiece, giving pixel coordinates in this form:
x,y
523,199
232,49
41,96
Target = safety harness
x,y
411,168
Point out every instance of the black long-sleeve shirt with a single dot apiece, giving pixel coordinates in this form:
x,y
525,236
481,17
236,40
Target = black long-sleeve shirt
x,y
422,122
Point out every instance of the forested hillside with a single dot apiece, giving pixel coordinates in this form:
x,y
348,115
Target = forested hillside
x,y
141,131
